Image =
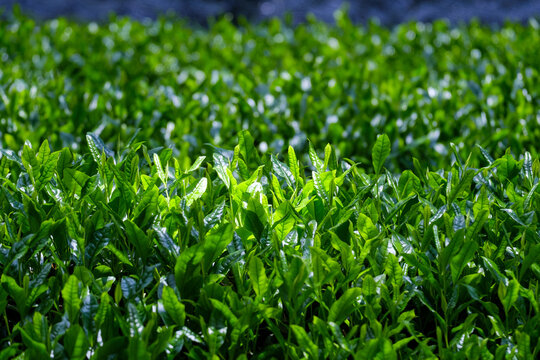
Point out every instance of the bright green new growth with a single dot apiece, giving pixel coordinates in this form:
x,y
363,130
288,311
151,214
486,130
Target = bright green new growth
x,y
250,255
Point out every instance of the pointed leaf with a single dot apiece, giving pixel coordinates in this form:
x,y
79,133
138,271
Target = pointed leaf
x,y
344,306
197,192
257,274
380,152
173,306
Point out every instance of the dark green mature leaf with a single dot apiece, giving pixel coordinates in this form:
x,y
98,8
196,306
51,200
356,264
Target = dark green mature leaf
x,y
148,200
216,240
460,260
306,344
380,152
76,342
15,291
167,242
138,238
173,306
533,256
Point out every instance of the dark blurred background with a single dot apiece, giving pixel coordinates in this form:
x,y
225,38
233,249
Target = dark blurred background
x,y
389,12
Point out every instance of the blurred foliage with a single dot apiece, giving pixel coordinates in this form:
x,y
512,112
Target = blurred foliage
x,y
425,85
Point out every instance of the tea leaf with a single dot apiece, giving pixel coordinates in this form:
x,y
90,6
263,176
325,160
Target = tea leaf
x,y
344,306
173,306
258,277
380,152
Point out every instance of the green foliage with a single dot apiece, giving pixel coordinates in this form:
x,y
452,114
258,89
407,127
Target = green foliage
x,y
423,85
133,225
107,259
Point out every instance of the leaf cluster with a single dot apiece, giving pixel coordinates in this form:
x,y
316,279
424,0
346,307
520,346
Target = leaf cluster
x,y
424,85
240,254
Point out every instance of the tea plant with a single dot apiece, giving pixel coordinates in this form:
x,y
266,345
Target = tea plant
x,y
133,254
425,85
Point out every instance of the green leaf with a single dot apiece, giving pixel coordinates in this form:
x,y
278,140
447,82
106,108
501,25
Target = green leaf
x,y
394,271
367,229
29,160
103,311
46,171
197,192
163,176
119,254
508,294
474,229
369,286
216,240
380,152
293,164
284,221
306,344
257,274
315,160
76,342
167,242
134,321
94,150
173,306
36,349
71,296
138,238
485,154
43,153
527,167
344,306
319,187
98,146
506,167
529,196
408,184
16,292
148,200
463,185
532,257
460,260
245,144
196,164
283,171
75,180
